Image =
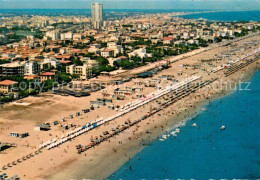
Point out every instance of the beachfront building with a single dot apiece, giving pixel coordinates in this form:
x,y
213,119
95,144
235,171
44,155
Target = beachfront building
x,y
7,86
83,72
47,76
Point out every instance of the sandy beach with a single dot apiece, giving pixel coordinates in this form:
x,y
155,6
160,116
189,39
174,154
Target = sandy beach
x,y
99,162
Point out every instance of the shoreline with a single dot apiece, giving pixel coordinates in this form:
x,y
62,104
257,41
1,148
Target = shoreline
x,y
52,164
199,107
136,147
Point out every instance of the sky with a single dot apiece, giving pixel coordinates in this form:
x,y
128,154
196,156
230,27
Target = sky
x,y
133,4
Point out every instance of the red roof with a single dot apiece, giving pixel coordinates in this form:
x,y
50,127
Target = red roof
x,y
7,83
32,75
122,57
168,38
48,74
107,50
65,62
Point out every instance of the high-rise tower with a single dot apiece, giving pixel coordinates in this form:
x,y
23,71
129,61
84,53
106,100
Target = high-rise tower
x,y
97,15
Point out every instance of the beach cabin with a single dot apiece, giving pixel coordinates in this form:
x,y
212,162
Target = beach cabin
x,y
111,107
85,111
23,135
179,73
152,83
14,134
97,103
54,123
66,126
105,100
118,97
126,91
42,127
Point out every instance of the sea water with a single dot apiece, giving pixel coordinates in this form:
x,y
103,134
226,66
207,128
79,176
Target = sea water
x,y
206,151
227,16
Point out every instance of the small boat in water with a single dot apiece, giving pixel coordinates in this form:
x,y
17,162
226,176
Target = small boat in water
x,y
161,139
177,130
173,133
164,136
222,128
194,124
203,109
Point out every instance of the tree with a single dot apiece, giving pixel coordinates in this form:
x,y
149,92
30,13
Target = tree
x,y
77,61
102,61
63,77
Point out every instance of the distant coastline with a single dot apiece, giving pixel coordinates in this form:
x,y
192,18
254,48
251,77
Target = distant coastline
x,y
225,16
213,15
78,12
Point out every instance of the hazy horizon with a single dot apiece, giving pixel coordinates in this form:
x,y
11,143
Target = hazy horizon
x,y
134,4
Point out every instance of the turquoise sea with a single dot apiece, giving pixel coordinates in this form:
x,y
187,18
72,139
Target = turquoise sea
x,y
227,16
205,151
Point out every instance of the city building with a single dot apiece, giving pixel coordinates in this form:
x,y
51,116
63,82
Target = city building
x,y
107,53
97,15
32,68
52,35
47,76
7,86
83,72
12,69
48,63
140,53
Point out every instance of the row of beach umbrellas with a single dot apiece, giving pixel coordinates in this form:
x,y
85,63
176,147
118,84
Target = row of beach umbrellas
x,y
131,107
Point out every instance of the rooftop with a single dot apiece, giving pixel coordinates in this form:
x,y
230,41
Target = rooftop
x,y
8,83
48,74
